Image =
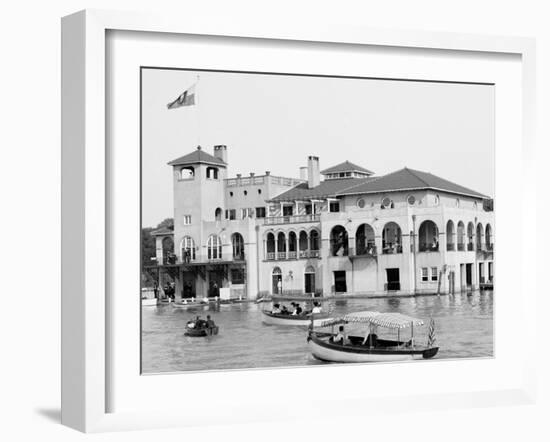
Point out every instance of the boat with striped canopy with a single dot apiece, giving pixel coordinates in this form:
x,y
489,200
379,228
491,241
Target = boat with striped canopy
x,y
332,346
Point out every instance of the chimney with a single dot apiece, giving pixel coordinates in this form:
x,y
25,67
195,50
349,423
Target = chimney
x,y
220,151
303,173
267,172
313,172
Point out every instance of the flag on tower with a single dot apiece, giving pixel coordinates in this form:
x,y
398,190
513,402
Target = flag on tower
x,y
185,99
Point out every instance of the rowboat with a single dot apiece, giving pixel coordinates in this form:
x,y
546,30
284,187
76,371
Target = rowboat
x,y
200,328
293,320
201,332
367,347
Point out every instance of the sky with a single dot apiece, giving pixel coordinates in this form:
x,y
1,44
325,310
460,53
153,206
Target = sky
x,y
273,122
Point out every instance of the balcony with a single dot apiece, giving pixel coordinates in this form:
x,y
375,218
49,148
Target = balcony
x,y
292,219
392,249
428,247
363,252
450,247
461,247
283,256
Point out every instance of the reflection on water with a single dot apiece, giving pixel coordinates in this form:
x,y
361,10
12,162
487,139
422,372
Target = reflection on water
x,y
464,328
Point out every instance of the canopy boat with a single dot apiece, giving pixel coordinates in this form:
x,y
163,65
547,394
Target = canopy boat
x,y
200,328
368,347
304,319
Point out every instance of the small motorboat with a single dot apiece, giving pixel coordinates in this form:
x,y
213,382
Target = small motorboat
x,y
337,347
299,320
148,301
313,317
200,328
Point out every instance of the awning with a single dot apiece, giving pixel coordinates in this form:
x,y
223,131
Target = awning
x,y
388,320
395,320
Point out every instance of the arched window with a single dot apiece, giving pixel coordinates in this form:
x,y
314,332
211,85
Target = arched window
x,y
214,247
187,173
187,249
339,241
281,246
309,280
364,240
450,233
470,236
270,246
428,237
212,173
488,237
479,237
292,245
218,214
237,242
314,241
460,236
168,250
391,239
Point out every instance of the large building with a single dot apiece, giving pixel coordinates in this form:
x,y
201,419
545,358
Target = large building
x,y
350,232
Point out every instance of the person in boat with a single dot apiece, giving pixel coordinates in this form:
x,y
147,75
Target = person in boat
x,y
340,337
284,310
316,308
210,322
297,310
276,309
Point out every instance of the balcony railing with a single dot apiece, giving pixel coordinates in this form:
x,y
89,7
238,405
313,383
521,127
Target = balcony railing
x,y
302,254
428,247
363,251
292,219
450,247
392,250
461,247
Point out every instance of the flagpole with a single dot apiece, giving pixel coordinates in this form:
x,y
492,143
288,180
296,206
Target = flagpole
x,y
197,111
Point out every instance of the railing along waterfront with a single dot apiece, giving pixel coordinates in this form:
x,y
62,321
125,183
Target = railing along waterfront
x,y
292,219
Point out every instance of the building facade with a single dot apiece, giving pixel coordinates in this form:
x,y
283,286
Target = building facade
x,y
351,232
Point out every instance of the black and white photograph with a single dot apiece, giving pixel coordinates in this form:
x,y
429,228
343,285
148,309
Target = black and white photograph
x,y
296,220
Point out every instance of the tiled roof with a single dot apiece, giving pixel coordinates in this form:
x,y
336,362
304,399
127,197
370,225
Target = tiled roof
x,y
346,166
327,188
197,156
162,231
405,179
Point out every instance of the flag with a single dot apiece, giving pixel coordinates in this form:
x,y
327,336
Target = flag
x,y
185,99
431,333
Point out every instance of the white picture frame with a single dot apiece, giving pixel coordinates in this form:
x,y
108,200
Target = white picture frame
x,y
86,315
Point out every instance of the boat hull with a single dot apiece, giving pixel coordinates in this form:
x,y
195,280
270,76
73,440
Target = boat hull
x,y
328,352
149,302
289,320
199,333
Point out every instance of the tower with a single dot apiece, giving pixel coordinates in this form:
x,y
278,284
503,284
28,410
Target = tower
x,y
198,179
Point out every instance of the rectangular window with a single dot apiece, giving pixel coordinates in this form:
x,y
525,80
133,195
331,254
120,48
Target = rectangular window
x,y
232,214
424,273
287,210
260,212
334,207
244,213
186,220
308,209
237,276
434,273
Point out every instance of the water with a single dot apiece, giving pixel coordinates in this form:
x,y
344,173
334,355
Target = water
x,y
464,328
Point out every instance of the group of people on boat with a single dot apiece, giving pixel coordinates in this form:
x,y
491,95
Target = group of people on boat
x,y
295,309
199,323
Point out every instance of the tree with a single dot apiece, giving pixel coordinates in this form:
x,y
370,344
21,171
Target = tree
x,y
149,249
